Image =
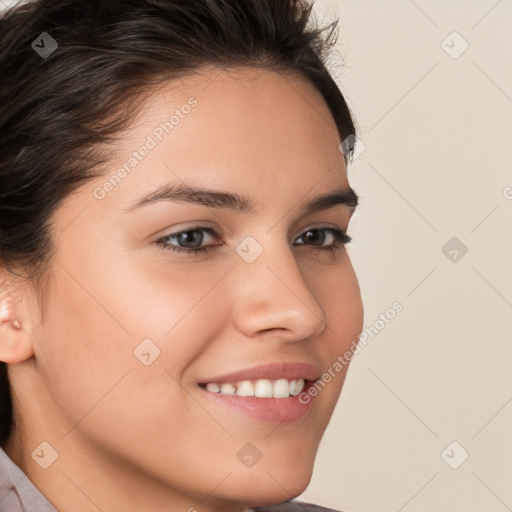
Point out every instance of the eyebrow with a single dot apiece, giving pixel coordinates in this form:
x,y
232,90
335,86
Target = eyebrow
x,y
233,201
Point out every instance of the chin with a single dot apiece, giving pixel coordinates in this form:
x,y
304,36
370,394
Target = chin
x,y
270,484
277,490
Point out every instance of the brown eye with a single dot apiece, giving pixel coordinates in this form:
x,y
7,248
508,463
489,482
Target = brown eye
x,y
338,238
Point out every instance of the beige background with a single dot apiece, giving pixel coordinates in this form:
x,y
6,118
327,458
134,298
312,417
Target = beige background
x,y
437,132
438,136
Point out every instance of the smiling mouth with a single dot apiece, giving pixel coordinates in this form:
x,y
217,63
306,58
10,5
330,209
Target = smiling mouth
x,y
260,388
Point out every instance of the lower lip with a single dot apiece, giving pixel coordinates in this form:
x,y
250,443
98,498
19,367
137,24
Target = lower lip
x,y
271,410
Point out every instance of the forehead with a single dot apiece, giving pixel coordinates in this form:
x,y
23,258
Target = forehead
x,y
254,106
246,130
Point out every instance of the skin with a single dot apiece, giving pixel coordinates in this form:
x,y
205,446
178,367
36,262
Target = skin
x,y
131,437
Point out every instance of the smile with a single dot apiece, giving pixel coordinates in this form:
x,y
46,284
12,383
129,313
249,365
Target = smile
x,y
261,388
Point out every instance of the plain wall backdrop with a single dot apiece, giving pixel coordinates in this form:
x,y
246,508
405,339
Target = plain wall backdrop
x,y
430,83
424,419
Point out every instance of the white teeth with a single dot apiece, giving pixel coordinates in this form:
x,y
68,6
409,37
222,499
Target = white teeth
x,y
262,388
281,388
296,386
245,388
227,389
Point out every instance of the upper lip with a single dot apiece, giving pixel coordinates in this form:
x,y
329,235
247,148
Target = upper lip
x,y
271,371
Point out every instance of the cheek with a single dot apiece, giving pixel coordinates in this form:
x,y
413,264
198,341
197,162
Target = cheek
x,y
161,293
99,334
341,298
337,290
83,352
98,387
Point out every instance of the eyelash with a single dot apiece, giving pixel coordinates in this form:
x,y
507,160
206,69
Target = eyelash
x,y
341,239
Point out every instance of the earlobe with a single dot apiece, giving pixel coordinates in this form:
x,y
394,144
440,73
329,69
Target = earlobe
x,y
7,309
16,323
15,345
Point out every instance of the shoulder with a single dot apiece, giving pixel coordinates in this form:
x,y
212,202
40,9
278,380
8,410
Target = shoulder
x,y
294,506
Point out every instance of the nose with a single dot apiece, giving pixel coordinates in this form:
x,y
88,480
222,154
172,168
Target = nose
x,y
272,295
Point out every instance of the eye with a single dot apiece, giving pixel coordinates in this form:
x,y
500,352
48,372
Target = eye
x,y
337,237
193,238
189,238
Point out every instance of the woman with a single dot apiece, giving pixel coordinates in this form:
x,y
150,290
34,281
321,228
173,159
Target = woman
x,y
176,291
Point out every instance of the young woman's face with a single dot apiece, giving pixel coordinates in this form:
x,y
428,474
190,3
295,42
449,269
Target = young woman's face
x,y
135,330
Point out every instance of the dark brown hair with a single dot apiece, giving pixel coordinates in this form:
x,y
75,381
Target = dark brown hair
x,y
58,110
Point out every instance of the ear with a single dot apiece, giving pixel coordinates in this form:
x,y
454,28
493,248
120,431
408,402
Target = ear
x,y
15,335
